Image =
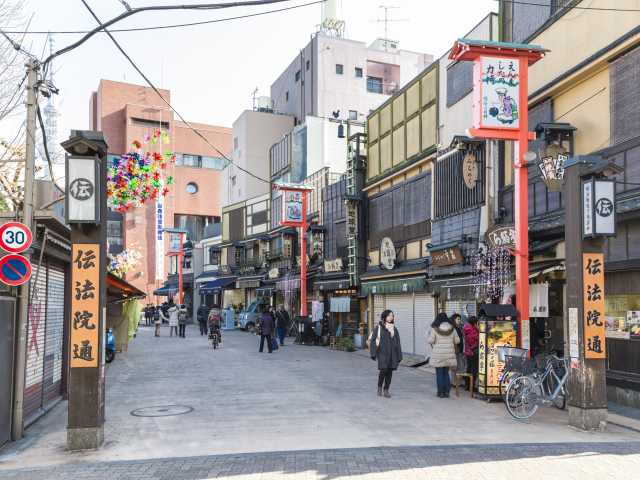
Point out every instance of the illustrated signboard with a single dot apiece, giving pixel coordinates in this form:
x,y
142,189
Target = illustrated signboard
x,y
593,292
292,208
14,270
15,237
85,305
497,102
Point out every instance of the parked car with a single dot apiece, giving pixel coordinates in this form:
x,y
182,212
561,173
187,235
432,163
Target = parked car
x,y
250,316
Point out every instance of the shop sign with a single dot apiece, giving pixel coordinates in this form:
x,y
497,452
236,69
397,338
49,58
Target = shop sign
x,y
633,323
175,242
274,273
470,170
593,295
387,254
598,208
539,300
83,200
497,82
552,169
85,305
334,265
574,347
159,238
501,237
292,207
446,256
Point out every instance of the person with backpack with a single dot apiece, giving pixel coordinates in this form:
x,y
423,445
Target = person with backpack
x,y
443,338
384,346
266,329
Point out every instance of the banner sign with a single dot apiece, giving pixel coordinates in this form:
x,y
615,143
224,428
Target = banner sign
x,y
85,305
160,239
498,95
593,291
598,208
82,200
539,300
292,207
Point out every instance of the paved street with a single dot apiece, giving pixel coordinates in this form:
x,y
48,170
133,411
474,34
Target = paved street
x,y
303,413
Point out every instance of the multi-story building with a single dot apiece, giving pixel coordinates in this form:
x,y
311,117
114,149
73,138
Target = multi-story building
x,y
127,112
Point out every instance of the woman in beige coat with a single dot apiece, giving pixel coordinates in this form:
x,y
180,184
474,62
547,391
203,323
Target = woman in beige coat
x,y
443,338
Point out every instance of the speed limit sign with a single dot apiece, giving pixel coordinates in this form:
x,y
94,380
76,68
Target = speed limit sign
x,y
15,237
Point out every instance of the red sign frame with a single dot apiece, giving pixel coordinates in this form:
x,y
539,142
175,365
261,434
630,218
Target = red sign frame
x,y
24,228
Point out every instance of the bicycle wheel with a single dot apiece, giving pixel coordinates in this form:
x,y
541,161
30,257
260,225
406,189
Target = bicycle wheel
x,y
560,402
522,398
507,377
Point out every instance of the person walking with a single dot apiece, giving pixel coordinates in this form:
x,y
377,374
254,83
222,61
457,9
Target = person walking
x,y
461,360
202,313
172,317
384,346
443,338
148,315
266,329
471,342
157,320
182,321
282,322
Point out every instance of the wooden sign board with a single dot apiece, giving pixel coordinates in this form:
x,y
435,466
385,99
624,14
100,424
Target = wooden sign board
x,y
85,305
446,256
593,291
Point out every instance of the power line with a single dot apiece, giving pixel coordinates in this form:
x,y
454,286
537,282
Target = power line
x,y
569,7
176,25
8,106
46,148
155,89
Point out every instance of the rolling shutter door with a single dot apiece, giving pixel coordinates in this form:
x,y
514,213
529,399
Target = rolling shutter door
x,y
424,314
402,307
378,308
54,335
35,344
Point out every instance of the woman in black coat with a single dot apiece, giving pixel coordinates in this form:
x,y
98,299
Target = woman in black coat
x,y
384,345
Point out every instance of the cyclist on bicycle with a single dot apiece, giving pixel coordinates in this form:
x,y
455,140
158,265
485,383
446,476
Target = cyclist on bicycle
x,y
213,322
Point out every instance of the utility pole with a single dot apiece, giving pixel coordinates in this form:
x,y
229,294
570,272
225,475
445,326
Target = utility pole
x,y
27,218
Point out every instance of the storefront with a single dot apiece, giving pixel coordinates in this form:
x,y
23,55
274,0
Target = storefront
x,y
249,285
212,292
287,293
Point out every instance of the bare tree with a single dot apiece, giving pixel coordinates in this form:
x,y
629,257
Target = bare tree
x,y
12,69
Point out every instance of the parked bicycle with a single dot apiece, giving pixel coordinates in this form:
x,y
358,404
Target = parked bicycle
x,y
516,362
525,393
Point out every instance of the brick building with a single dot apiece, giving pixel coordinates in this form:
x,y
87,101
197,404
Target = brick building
x,y
126,112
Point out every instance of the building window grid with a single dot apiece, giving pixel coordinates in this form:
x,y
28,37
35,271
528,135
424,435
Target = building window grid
x,y
339,69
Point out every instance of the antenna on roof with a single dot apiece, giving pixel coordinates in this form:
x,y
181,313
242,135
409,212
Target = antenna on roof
x,y
386,20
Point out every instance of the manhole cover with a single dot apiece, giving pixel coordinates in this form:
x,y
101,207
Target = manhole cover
x,y
162,411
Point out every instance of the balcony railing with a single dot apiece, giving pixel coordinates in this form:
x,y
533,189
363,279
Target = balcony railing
x,y
377,85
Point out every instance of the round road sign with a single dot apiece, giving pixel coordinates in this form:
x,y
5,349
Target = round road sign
x,y
14,270
15,237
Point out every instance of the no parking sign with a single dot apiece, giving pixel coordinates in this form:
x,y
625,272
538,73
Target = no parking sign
x,y
15,237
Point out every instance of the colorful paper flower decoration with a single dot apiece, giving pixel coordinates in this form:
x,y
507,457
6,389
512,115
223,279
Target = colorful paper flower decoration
x,y
123,262
138,176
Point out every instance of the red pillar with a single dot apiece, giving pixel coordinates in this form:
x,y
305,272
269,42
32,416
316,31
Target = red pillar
x,y
521,205
303,257
180,262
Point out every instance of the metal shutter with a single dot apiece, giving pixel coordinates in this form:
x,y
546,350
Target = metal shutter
x,y
424,314
35,343
402,306
54,335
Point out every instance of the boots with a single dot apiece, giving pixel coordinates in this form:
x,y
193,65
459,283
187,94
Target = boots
x,y
386,394
379,391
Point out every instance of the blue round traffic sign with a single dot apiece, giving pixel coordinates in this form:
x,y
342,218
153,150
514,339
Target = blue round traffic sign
x,y
14,270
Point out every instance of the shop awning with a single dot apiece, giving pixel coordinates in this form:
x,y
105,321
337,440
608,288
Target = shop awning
x,y
120,290
329,285
248,282
217,284
395,285
546,267
166,290
207,277
288,284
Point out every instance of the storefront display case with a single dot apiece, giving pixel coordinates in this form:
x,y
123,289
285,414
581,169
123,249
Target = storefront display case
x,y
498,327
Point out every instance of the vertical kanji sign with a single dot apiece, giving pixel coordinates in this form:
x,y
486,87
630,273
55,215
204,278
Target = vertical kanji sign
x,y
593,291
85,305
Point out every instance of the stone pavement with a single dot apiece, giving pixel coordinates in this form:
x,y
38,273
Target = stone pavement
x,y
313,411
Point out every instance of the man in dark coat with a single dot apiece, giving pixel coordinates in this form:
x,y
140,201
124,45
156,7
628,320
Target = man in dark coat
x,y
282,323
384,345
266,328
203,315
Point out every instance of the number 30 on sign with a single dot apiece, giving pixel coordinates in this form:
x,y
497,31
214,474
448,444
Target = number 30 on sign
x,y
15,237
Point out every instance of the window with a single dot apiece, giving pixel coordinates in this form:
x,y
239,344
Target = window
x,y
193,224
286,96
353,115
235,143
374,84
308,65
192,188
625,87
298,76
359,72
233,181
339,69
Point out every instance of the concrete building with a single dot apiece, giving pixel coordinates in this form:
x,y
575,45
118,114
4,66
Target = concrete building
x,y
126,112
253,134
340,78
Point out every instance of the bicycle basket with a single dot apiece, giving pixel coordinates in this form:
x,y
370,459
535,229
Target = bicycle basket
x,y
504,351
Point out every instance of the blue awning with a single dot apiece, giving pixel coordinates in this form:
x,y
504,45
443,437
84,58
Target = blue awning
x,y
166,290
217,284
207,277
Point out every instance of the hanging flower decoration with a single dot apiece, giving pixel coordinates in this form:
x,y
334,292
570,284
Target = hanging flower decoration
x,y
123,262
492,272
138,176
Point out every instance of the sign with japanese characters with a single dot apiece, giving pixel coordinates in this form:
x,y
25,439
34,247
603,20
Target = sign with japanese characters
x,y
501,237
446,256
539,300
498,95
593,294
598,208
292,207
470,170
387,254
160,238
333,265
85,305
175,242
82,199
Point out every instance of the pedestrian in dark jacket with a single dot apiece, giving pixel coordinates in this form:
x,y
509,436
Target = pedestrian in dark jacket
x,y
384,346
203,314
266,328
282,322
